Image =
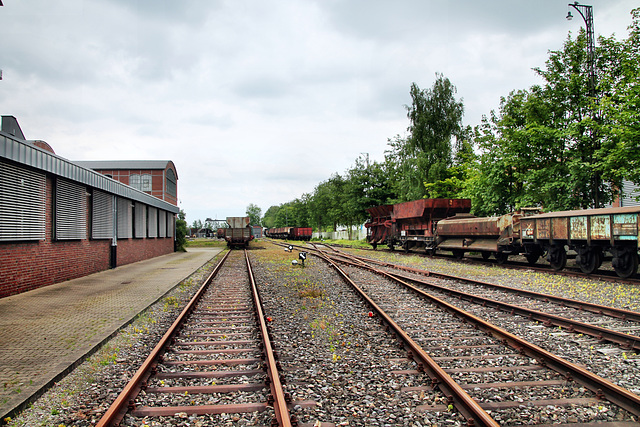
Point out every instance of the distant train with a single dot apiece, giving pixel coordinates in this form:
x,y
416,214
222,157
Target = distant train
x,y
289,233
239,232
445,224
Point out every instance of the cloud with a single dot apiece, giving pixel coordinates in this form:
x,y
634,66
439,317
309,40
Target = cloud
x,y
258,102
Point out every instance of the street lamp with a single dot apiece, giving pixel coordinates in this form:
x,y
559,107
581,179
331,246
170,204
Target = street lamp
x,y
587,14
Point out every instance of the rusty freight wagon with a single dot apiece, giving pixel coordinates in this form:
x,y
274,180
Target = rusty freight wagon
x,y
290,233
411,224
239,232
592,234
499,235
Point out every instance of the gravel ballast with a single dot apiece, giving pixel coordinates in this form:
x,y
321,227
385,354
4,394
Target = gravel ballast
x,y
331,351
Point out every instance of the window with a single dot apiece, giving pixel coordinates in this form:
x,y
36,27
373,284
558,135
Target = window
x,y
134,181
22,203
170,224
152,222
70,211
162,223
125,223
140,182
145,182
172,188
140,225
102,216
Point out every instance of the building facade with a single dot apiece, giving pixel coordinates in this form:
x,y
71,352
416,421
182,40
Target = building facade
x,y
158,178
60,220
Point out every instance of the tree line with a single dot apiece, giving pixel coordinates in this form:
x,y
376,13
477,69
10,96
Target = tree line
x,y
561,145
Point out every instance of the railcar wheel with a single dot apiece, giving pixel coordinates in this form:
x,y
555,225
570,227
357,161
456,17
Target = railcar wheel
x,y
532,258
501,257
374,246
458,253
557,257
625,264
485,255
590,260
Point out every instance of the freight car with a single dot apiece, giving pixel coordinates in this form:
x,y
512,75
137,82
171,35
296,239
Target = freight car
x,y
411,224
499,236
289,233
591,233
239,232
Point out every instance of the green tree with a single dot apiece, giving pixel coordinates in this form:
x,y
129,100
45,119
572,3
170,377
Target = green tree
x,y
254,213
424,156
555,145
181,232
269,219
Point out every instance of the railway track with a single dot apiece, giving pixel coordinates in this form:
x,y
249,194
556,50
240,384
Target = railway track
x,y
603,274
514,364
216,358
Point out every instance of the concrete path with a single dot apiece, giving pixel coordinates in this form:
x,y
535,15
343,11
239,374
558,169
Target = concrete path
x,y
45,331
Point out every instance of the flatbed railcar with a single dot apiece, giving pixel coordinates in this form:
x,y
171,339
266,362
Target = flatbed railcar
x,y
289,233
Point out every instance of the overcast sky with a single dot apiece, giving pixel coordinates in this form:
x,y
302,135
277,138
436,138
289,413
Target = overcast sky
x,y
260,101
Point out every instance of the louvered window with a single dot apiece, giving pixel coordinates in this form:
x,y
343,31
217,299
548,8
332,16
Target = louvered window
x,y
152,222
125,224
22,204
140,225
162,223
71,211
102,216
170,224
172,187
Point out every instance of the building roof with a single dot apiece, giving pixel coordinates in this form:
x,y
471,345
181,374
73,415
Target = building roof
x,y
20,151
126,164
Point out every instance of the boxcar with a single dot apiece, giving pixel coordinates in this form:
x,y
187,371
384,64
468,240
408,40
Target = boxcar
x,y
591,234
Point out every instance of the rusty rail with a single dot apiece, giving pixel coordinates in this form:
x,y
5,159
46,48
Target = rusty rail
x,y
120,406
275,385
602,387
462,401
125,401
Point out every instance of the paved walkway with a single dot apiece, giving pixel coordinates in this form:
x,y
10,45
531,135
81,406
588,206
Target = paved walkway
x,y
45,331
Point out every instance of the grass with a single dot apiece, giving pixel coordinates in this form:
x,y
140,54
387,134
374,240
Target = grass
x,y
205,243
359,244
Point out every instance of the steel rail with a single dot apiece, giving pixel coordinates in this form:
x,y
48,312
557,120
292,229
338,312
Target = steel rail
x,y
124,401
461,399
275,384
601,386
626,340
580,305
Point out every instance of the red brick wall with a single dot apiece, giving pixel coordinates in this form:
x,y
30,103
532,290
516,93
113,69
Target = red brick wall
x,y
29,265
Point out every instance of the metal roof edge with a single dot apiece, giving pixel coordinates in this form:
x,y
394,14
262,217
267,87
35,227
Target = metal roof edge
x,y
30,155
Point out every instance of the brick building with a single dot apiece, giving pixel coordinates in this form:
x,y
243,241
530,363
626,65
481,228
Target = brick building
x,y
156,177
60,220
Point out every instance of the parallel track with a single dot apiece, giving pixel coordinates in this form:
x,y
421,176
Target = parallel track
x,y
569,372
